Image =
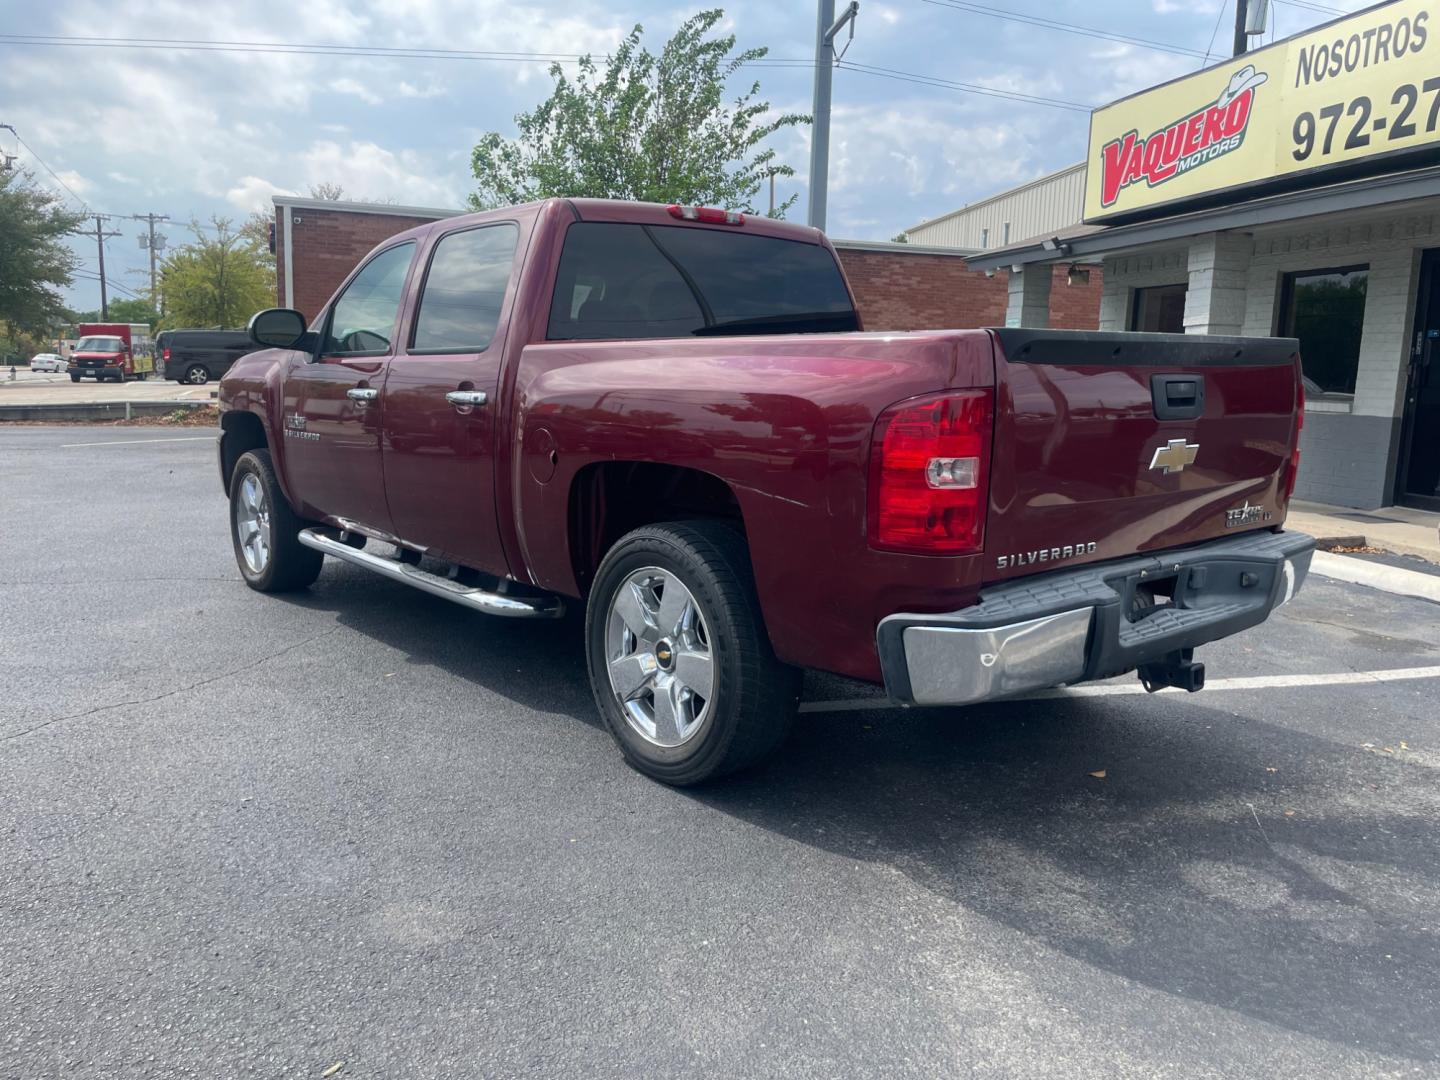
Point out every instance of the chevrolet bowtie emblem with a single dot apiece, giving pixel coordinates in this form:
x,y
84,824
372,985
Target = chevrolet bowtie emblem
x,y
1174,456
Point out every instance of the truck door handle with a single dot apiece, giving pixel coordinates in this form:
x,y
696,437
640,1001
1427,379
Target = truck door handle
x,y
467,398
364,395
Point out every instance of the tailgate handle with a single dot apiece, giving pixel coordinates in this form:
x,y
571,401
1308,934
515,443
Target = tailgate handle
x,y
1177,397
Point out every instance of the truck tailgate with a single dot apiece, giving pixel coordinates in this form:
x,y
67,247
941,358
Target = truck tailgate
x,y
1110,444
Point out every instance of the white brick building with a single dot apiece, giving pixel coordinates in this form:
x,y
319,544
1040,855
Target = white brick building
x,y
1351,269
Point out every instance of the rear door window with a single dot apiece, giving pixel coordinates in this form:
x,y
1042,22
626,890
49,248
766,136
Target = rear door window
x,y
464,290
643,281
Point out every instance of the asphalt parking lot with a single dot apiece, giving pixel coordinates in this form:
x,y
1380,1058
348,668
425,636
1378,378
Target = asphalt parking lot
x,y
249,836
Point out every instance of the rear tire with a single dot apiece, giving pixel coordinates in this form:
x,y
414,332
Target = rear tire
x,y
265,530
680,662
74,377
197,375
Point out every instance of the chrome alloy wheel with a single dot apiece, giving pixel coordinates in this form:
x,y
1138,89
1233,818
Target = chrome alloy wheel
x,y
252,524
657,648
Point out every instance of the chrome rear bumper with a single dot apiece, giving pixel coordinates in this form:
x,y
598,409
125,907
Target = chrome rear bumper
x,y
1091,622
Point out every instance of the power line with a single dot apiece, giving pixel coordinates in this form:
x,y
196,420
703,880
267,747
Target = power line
x,y
1308,6
456,54
83,204
312,49
1064,27
967,88
91,276
1219,18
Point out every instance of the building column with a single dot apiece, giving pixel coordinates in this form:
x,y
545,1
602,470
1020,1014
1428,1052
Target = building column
x,y
1029,296
1219,266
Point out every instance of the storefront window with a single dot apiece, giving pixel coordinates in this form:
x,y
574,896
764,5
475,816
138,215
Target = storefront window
x,y
1325,309
1160,309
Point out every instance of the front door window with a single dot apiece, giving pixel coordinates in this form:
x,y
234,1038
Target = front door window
x,y
362,322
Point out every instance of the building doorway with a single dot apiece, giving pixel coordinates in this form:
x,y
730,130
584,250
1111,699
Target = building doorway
x,y
1419,475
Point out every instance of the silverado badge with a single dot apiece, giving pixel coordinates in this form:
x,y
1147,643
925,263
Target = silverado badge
x,y
295,428
1174,456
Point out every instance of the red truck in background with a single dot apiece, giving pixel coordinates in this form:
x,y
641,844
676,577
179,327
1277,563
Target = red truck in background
x,y
116,351
672,417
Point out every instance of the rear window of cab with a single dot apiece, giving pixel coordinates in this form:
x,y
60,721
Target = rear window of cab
x,y
624,281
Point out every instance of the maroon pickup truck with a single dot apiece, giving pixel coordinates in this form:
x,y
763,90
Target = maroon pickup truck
x,y
671,417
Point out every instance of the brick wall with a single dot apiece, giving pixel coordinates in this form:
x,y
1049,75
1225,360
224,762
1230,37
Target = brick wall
x,y
896,290
904,291
328,244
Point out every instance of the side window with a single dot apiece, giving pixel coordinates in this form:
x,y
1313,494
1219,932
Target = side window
x,y
363,318
464,290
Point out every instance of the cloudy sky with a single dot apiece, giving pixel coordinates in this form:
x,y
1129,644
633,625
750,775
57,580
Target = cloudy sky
x,y
195,133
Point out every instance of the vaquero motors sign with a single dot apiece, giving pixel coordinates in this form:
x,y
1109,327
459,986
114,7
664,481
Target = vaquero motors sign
x,y
1215,128
1358,95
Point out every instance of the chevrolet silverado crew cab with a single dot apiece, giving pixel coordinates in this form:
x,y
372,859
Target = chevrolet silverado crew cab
x,y
671,417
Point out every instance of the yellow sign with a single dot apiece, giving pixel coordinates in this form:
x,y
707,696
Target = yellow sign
x,y
1358,94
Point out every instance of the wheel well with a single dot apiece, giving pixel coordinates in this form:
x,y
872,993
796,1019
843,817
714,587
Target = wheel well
x,y
242,431
609,499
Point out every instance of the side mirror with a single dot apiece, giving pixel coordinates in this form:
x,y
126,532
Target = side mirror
x,y
277,328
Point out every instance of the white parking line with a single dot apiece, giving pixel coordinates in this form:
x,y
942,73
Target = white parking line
x,y
131,442
1255,682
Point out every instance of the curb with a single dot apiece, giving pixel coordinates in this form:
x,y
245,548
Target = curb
x,y
98,410
1391,579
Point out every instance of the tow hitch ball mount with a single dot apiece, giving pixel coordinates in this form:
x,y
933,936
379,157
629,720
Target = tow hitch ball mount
x,y
1176,669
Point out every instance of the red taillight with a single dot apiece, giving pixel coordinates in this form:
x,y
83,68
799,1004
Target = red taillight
x,y
166,354
707,214
930,474
1295,450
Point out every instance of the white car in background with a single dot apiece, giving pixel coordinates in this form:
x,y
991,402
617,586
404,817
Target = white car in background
x,y
48,361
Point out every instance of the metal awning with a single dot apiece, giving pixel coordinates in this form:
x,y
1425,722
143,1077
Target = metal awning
x,y
1087,243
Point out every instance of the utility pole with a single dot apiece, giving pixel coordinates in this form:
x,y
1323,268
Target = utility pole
x,y
150,243
100,238
1252,19
826,30
7,161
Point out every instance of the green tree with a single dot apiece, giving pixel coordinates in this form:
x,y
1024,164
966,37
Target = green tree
x,y
219,279
126,311
35,263
645,127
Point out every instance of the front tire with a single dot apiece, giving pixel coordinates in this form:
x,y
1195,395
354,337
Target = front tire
x,y
680,662
265,530
74,377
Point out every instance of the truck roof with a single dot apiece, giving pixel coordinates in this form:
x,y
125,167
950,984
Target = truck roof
x,y
621,211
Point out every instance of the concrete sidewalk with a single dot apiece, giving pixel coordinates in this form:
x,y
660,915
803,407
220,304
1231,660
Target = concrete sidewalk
x,y
1394,528
44,388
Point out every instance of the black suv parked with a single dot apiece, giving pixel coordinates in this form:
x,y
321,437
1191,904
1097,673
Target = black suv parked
x,y
197,356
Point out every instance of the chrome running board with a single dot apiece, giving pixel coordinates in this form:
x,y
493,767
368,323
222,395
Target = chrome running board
x,y
491,603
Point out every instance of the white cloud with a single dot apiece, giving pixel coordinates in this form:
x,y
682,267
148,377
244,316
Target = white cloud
x,y
1188,7
370,171
406,90
75,182
355,88
253,193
